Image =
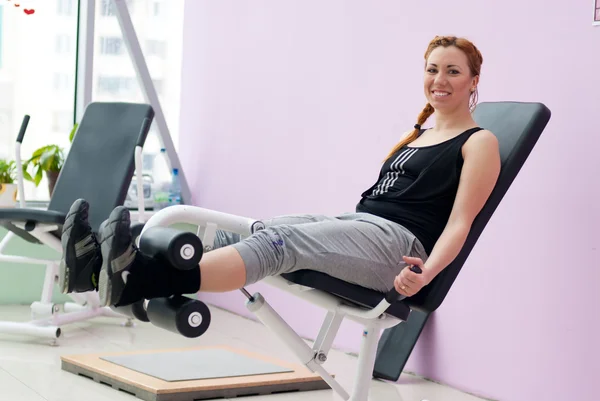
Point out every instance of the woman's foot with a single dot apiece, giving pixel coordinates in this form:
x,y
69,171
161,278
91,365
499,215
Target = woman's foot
x,y
81,257
128,276
118,255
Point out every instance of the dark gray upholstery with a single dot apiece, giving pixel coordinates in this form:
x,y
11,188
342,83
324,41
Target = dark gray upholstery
x,y
517,127
99,166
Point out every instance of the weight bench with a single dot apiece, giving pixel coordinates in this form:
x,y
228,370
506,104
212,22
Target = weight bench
x,y
517,126
99,167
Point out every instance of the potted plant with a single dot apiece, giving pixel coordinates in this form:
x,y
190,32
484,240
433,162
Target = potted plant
x,y
46,160
8,188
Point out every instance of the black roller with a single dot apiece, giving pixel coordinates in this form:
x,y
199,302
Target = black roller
x,y
136,229
179,314
181,249
134,311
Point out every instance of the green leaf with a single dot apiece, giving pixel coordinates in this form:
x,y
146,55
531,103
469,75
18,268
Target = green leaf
x,y
47,159
38,176
72,134
26,175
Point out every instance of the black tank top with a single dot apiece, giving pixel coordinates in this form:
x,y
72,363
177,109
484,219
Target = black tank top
x,y
417,186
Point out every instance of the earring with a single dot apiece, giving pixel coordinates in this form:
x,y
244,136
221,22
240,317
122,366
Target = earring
x,y
472,89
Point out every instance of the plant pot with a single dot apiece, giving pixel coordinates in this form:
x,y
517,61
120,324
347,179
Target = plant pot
x,y
8,195
52,176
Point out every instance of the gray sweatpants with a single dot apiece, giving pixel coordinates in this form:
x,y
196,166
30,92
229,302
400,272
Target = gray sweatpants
x,y
359,248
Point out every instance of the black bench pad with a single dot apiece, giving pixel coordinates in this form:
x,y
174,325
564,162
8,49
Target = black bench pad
x,y
352,293
24,215
31,217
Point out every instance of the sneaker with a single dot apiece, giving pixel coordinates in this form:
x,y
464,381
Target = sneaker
x,y
118,255
81,255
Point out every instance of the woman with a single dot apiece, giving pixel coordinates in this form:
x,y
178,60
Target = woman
x,y
419,212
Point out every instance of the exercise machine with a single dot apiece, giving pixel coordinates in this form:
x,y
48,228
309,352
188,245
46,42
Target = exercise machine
x,y
106,149
107,119
517,126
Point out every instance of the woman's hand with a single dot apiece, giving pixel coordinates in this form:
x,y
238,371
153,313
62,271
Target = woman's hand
x,y
408,283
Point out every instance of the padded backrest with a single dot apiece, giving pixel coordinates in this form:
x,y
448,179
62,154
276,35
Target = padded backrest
x,y
517,127
100,164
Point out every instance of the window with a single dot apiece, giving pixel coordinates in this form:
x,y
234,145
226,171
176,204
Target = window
x,y
65,7
156,48
1,33
62,82
38,69
115,85
62,122
597,12
107,8
156,8
47,94
5,125
158,85
64,44
115,77
111,45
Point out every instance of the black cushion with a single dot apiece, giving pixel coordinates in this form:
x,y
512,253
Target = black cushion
x,y
354,294
99,167
517,126
33,216
100,163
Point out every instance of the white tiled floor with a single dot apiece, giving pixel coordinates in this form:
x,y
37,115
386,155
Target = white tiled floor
x,y
30,369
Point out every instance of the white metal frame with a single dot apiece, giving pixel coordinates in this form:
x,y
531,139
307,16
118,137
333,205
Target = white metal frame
x,y
373,320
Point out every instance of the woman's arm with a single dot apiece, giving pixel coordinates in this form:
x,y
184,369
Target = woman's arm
x,y
477,180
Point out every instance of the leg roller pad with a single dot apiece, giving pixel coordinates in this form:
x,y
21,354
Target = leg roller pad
x,y
134,311
181,249
181,315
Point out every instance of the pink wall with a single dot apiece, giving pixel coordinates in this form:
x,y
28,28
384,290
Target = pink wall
x,y
289,107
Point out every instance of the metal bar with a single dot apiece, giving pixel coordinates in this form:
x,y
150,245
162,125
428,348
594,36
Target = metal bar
x,y
85,56
143,74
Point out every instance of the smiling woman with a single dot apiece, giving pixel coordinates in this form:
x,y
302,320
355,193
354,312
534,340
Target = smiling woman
x,y
452,69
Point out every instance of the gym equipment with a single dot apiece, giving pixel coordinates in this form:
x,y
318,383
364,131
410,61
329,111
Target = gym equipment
x,y
193,374
110,123
517,127
182,250
179,314
99,167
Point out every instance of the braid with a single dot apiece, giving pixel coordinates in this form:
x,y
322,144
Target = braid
x,y
475,60
423,117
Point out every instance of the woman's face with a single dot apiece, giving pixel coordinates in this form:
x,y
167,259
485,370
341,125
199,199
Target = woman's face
x,y
448,81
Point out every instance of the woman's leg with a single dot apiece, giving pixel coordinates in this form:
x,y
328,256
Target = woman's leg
x,y
358,248
127,275
224,269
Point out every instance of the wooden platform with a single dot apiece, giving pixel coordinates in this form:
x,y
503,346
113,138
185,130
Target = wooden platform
x,y
150,388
